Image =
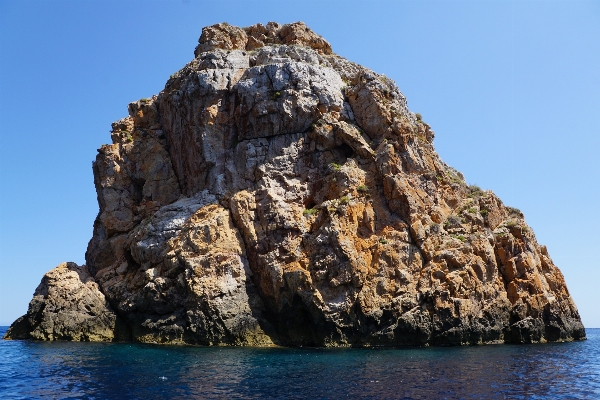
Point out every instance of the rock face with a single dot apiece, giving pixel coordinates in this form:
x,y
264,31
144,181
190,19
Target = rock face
x,y
276,193
67,305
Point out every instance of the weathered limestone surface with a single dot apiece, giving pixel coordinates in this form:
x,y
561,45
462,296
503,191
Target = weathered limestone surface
x,y
277,193
67,305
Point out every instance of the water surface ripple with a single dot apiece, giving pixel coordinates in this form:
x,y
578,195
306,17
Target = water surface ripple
x,y
36,370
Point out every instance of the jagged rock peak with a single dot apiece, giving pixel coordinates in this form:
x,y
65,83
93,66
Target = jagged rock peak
x,y
227,37
276,193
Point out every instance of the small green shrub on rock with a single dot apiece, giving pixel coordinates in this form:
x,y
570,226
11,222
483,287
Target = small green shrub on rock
x,y
514,211
460,237
310,211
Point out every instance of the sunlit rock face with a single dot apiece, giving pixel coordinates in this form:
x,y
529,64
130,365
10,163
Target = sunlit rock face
x,y
277,193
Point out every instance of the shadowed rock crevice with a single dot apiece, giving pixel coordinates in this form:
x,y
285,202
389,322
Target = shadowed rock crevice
x,y
276,193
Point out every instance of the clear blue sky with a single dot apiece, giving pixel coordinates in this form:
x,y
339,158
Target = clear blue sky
x,y
511,88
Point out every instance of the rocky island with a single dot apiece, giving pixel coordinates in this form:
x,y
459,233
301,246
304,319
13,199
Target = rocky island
x,y
275,193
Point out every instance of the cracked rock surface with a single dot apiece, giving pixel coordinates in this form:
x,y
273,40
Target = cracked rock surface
x,y
277,193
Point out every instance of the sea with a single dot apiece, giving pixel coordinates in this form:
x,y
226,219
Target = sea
x,y
75,370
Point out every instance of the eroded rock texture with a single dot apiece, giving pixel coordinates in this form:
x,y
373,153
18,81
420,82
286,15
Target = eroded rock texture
x,y
276,193
68,305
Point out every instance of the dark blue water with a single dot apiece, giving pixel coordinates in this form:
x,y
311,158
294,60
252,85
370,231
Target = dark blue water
x,y
32,370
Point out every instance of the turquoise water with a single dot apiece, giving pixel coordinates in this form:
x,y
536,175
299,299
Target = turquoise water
x,y
36,370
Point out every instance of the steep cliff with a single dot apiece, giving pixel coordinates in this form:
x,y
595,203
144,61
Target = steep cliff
x,y
277,193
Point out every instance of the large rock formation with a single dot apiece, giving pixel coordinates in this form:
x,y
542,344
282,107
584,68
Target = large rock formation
x,y
277,193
